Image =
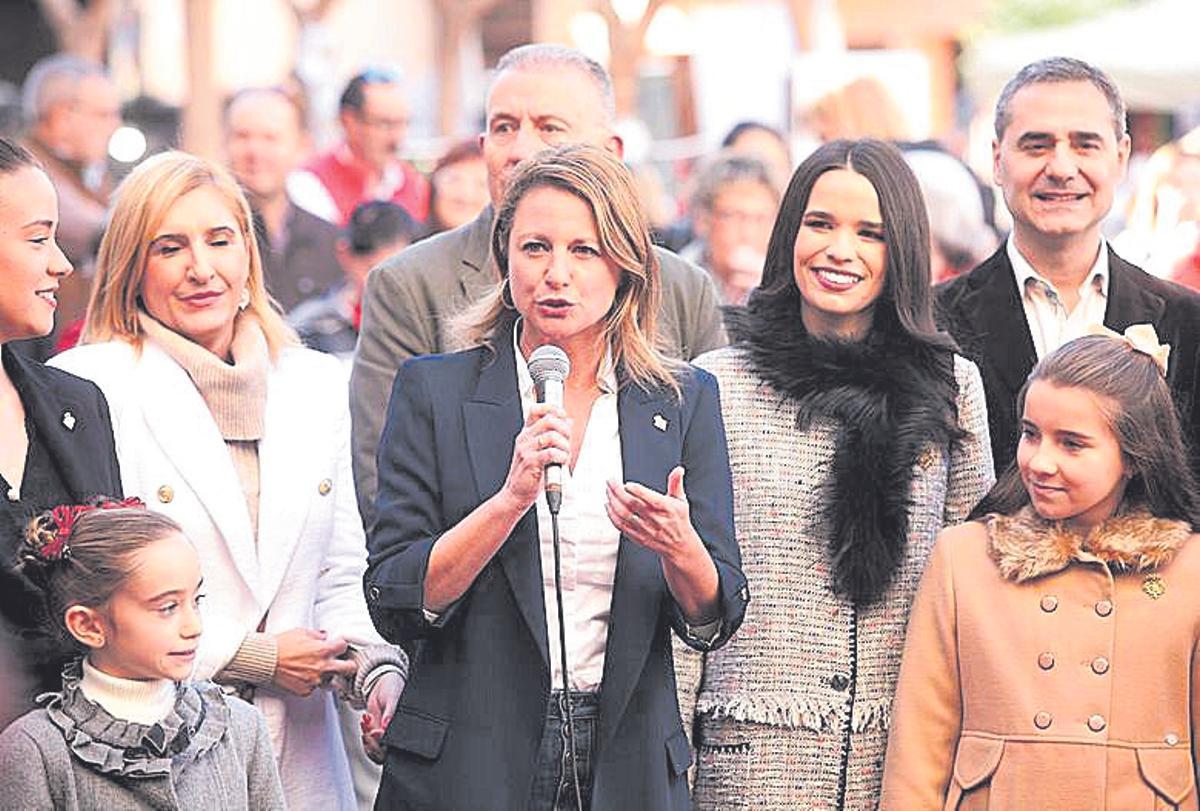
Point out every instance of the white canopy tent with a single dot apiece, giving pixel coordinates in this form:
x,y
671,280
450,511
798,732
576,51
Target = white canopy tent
x,y
1151,49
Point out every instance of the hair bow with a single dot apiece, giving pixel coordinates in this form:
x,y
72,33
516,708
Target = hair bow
x,y
65,516
1141,338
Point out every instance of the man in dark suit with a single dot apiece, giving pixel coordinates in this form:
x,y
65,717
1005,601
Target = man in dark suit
x,y
265,140
1061,148
542,96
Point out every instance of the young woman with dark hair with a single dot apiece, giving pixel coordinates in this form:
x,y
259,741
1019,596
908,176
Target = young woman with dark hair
x,y
56,440
855,434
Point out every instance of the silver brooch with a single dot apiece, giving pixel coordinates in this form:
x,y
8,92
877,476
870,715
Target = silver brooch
x,y
68,420
660,422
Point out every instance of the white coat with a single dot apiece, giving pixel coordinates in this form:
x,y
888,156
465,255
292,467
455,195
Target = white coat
x,y
306,568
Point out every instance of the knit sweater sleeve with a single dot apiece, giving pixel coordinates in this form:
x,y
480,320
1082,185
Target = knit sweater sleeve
x,y
26,775
971,472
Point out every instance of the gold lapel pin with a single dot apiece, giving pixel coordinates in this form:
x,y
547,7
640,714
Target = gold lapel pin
x,y
660,422
1154,586
68,420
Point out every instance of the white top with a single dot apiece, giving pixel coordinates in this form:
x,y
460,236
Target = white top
x,y
1050,324
588,541
142,702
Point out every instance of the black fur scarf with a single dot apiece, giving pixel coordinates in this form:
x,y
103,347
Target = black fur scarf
x,y
893,397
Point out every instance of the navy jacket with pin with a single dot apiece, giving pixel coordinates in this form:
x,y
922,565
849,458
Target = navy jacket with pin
x,y
982,309
71,419
467,730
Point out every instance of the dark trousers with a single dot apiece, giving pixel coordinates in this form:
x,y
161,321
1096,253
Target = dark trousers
x,y
553,782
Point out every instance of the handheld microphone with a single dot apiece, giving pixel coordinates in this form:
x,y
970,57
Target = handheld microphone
x,y
549,367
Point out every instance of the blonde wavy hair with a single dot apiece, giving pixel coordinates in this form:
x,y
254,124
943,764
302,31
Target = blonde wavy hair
x,y
601,181
140,204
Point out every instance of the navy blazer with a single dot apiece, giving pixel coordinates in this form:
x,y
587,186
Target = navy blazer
x,y
983,311
83,450
467,730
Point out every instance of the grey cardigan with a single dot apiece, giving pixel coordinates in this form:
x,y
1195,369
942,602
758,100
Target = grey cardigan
x,y
211,751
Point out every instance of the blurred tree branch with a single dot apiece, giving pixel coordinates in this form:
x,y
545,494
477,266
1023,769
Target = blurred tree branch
x,y
626,44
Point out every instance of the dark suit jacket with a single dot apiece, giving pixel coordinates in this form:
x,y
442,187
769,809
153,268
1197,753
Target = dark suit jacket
x,y
468,726
306,264
86,458
982,310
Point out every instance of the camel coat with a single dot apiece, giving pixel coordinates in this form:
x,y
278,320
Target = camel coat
x,y
1045,671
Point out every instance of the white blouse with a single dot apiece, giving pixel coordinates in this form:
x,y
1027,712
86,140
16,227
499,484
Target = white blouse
x,y
588,541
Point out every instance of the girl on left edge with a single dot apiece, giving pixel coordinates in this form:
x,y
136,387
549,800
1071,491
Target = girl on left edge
x,y
128,728
57,443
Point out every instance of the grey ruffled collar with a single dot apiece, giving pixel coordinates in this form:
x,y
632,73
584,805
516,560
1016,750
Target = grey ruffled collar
x,y
112,746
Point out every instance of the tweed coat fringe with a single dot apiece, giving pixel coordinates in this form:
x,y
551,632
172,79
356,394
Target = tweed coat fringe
x,y
794,712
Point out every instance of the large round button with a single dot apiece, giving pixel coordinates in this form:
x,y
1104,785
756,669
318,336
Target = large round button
x,y
839,682
1046,660
1043,720
166,494
325,487
1104,607
1097,723
1099,665
1049,603
1171,739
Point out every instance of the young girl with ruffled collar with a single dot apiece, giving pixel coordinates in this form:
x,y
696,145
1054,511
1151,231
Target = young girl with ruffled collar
x,y
1053,650
128,729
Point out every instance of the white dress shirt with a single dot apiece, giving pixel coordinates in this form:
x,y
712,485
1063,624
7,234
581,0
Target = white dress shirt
x,y
588,541
1050,324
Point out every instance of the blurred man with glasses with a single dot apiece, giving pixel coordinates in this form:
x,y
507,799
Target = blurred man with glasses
x,y
366,165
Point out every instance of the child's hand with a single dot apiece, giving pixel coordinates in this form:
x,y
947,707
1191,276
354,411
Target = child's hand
x,y
381,706
307,659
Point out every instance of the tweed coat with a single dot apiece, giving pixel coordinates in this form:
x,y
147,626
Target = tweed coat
x,y
410,299
793,712
1045,671
304,568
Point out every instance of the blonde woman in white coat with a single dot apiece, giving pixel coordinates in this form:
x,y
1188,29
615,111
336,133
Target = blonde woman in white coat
x,y
224,423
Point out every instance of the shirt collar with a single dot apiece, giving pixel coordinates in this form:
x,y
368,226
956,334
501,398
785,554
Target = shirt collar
x,y
606,376
1023,271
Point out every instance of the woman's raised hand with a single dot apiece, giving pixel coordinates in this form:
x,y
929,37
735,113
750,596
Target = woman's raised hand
x,y
307,659
546,438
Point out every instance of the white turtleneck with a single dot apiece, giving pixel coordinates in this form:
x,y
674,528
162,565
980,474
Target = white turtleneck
x,y
142,702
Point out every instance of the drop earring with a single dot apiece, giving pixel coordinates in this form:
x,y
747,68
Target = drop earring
x,y
245,299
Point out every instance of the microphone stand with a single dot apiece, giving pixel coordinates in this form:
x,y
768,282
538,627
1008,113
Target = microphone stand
x,y
554,502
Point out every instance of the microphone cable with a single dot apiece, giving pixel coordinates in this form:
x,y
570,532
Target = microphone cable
x,y
554,501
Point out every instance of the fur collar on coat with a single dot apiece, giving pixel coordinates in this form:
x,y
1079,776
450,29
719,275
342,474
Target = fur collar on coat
x,y
1026,546
893,400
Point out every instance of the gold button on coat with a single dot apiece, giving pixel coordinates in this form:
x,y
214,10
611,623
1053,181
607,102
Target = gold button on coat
x,y
1097,723
166,494
1104,607
325,487
1046,660
1100,665
1049,603
1043,720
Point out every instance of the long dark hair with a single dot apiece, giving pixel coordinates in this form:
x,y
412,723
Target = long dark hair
x,y
1137,404
907,309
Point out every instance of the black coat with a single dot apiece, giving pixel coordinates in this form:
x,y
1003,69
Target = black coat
x,y
982,309
82,448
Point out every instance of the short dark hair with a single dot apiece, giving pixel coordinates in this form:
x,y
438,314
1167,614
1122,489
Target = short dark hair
x,y
13,156
1142,415
906,301
376,223
354,96
1060,69
743,127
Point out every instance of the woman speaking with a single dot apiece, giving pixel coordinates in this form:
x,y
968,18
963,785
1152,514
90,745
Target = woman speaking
x,y
459,560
